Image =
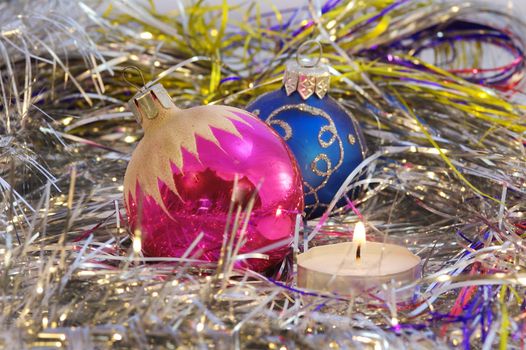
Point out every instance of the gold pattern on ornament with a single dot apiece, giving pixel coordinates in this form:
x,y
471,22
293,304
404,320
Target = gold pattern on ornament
x,y
314,165
284,126
175,130
333,132
361,143
334,137
351,139
311,191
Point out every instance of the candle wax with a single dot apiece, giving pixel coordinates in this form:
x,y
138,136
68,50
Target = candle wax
x,y
334,267
377,259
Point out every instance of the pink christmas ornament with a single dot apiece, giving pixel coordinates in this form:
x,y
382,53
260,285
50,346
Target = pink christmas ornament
x,y
180,180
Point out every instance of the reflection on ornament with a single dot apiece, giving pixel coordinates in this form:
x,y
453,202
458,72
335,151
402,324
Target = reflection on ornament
x,y
324,137
192,164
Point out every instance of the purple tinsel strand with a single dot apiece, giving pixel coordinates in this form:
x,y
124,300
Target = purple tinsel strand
x,y
483,317
473,308
454,32
461,234
227,79
329,5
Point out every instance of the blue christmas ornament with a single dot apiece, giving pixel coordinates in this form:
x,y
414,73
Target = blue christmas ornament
x,y
324,137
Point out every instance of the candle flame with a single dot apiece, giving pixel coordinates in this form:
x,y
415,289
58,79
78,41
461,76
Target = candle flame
x,y
359,239
359,233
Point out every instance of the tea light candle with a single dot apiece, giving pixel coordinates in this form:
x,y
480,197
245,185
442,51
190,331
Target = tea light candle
x,y
356,266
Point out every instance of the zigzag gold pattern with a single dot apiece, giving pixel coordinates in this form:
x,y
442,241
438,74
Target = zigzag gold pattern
x,y
163,143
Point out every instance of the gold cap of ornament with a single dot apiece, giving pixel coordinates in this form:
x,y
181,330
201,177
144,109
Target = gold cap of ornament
x,y
307,76
149,100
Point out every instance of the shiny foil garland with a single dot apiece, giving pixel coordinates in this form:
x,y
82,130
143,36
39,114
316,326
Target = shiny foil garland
x,y
445,177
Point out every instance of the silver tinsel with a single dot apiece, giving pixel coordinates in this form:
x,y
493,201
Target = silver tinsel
x,y
71,277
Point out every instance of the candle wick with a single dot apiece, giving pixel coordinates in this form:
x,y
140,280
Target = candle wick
x,y
359,252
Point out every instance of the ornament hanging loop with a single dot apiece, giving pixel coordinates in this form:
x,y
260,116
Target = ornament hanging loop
x,y
307,62
130,82
308,76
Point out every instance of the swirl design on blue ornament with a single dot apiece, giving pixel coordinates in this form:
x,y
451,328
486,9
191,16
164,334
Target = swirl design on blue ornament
x,y
284,126
328,135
